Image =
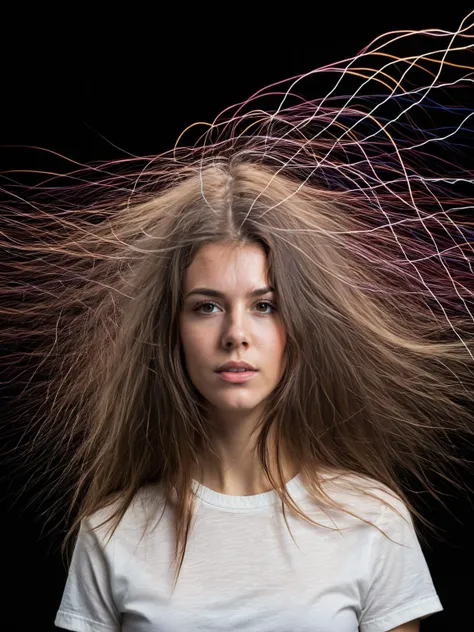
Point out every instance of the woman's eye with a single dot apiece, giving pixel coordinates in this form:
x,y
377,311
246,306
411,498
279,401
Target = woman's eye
x,y
202,307
267,304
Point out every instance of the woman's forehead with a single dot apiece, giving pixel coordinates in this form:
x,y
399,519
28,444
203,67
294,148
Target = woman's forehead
x,y
220,265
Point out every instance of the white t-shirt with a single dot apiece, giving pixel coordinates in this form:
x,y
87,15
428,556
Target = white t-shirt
x,y
243,571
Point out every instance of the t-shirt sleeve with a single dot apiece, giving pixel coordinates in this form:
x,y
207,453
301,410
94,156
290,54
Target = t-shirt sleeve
x,y
400,587
87,603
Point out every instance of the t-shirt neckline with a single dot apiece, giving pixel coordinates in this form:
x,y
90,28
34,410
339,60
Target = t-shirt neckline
x,y
294,487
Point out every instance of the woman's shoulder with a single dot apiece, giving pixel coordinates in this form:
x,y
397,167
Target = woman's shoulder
x,y
147,503
360,493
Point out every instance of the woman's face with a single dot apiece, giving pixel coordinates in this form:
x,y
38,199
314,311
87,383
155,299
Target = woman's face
x,y
231,326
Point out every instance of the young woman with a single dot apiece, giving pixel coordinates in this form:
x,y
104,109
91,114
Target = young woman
x,y
250,347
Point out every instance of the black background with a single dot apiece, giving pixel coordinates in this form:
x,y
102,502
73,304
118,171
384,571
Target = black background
x,y
95,83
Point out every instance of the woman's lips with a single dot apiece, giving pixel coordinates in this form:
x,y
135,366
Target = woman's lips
x,y
236,376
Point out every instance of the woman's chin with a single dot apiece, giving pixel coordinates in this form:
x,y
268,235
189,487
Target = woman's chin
x,y
235,405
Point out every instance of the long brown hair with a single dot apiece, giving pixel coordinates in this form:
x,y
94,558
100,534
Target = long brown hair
x,y
378,380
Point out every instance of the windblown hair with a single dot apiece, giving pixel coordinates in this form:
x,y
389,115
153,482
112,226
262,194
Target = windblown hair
x,y
379,377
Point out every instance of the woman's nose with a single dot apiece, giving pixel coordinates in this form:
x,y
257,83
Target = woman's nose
x,y
235,330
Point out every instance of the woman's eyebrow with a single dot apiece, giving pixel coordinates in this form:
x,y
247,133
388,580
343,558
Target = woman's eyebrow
x,y
210,292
